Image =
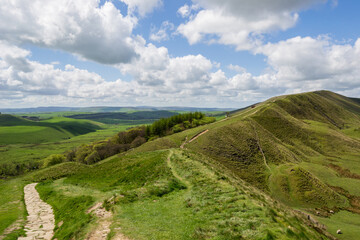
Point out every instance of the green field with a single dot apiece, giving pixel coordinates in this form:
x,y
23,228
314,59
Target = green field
x,y
349,223
15,130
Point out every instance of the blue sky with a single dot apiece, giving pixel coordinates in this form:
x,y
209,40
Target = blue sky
x,y
203,53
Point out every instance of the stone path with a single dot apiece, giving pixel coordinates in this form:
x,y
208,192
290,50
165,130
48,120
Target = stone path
x,y
40,222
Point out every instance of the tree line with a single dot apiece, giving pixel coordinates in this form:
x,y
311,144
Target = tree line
x,y
135,137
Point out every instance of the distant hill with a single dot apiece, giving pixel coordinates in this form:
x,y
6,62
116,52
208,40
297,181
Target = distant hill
x,y
15,129
114,117
106,109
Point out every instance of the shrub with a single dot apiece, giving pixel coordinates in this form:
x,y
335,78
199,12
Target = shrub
x,y
138,141
54,159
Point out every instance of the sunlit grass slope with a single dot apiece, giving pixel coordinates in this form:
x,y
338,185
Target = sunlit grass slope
x,y
167,194
15,130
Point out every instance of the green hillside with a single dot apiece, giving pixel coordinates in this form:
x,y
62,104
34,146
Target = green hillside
x,y
124,117
15,130
287,168
303,150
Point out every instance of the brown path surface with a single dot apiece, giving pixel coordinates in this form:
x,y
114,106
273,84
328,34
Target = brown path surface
x,y
104,221
102,229
183,144
198,135
260,148
40,222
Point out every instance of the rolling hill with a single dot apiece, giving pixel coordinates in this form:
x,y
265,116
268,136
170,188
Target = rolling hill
x,y
120,117
14,130
287,168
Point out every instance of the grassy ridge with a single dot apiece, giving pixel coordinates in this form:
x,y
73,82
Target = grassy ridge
x,y
302,137
284,133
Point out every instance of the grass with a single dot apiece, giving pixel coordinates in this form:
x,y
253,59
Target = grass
x,y
165,218
138,176
210,208
31,155
347,222
330,177
55,172
11,205
143,175
16,130
171,194
26,134
71,211
143,117
299,188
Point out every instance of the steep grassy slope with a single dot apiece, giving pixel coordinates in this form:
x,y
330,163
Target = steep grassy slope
x,y
303,149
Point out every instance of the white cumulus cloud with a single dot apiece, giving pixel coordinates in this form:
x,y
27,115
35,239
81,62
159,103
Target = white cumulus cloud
x,y
240,23
142,6
162,33
83,27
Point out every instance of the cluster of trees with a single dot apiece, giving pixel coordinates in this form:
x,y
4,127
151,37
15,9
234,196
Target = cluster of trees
x,y
132,138
18,168
177,123
95,152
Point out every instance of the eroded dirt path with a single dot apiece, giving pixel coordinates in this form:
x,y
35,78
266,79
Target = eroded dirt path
x,y
40,222
102,229
260,148
104,222
198,135
183,144
193,138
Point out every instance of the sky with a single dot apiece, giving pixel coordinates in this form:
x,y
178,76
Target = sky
x,y
195,53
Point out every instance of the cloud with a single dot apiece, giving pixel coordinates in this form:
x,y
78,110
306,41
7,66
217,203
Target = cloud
x,y
240,23
155,67
21,76
237,68
83,27
305,64
162,33
186,10
294,65
189,77
159,79
143,7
